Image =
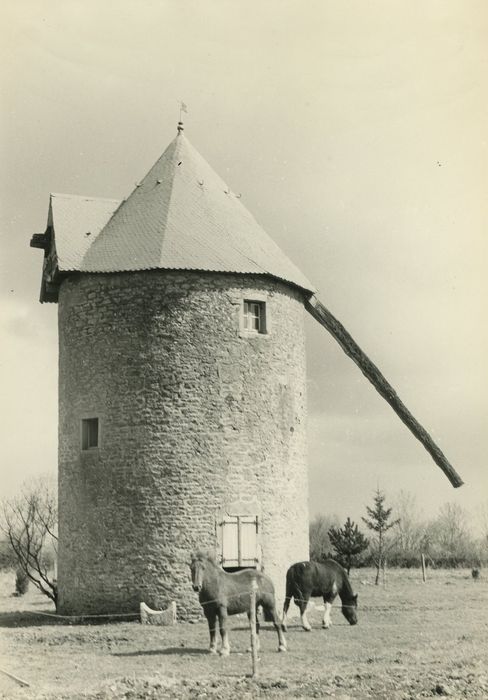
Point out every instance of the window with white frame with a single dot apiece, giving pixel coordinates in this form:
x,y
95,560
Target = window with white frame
x,y
254,316
89,433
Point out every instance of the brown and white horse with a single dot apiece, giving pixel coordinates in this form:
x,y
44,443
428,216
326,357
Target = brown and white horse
x,y
222,594
325,579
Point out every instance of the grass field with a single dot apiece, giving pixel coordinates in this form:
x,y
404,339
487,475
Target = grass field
x,y
413,640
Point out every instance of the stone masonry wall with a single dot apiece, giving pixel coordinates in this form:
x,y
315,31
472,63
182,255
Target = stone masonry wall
x,y
196,419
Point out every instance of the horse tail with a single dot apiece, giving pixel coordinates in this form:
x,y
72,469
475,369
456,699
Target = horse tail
x,y
290,587
290,582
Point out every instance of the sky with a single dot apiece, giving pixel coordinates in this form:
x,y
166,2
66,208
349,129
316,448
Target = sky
x,y
357,135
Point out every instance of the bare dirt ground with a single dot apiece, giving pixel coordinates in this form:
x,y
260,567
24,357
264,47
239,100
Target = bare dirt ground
x,y
413,640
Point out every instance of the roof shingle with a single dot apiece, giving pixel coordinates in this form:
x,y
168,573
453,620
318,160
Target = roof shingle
x,y
76,222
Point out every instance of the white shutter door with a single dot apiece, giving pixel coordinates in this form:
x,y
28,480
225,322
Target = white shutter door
x,y
230,541
249,543
240,541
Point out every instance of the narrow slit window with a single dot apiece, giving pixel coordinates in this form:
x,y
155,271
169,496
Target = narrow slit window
x,y
89,433
255,316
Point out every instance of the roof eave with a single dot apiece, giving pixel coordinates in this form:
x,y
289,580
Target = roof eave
x,y
308,291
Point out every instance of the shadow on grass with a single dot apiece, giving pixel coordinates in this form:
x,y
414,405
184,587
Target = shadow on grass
x,y
293,627
27,618
180,651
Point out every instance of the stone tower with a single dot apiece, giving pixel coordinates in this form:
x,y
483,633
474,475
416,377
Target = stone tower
x,y
182,392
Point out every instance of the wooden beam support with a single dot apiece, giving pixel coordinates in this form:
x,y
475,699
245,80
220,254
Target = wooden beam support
x,y
382,386
39,240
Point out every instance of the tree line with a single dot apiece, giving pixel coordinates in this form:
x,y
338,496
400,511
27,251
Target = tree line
x,y
395,534
398,535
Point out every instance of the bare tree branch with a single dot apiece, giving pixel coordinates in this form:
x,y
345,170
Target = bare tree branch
x,y
30,521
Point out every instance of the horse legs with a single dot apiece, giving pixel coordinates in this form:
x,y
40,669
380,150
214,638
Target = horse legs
x,y
303,614
211,616
279,631
286,605
222,614
258,643
328,600
271,614
326,620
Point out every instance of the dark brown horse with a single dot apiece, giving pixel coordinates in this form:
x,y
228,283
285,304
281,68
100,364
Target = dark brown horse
x,y
325,579
222,594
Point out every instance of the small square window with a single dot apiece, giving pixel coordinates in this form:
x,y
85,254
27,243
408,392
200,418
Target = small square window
x,y
89,433
254,316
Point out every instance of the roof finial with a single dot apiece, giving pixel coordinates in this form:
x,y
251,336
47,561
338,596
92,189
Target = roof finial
x,y
183,108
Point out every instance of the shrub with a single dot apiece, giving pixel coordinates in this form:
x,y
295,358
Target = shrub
x,y
348,542
8,560
21,582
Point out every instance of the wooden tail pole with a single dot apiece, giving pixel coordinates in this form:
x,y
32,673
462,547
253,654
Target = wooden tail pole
x,y
382,386
423,568
254,641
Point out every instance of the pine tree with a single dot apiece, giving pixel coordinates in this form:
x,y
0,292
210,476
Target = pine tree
x,y
378,521
348,542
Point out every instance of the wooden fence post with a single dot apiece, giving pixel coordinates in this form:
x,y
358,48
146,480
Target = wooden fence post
x,y
254,641
423,568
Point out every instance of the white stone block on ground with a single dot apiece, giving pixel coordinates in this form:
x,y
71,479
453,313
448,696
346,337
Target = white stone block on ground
x,y
158,617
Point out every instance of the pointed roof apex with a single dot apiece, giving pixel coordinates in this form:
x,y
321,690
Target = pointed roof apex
x,y
180,216
183,216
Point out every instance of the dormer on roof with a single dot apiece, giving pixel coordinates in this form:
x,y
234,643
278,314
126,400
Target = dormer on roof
x,y
73,223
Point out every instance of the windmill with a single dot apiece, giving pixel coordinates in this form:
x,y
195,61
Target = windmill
x,y
182,388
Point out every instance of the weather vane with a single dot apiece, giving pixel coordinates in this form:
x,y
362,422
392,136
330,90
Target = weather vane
x,y
183,108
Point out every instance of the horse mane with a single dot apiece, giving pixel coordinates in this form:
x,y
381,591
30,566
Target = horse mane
x,y
347,592
204,555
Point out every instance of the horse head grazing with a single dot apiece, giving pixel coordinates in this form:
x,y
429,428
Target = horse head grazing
x,y
350,610
326,579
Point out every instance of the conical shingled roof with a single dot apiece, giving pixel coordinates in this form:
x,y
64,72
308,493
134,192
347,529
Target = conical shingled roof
x,y
183,216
